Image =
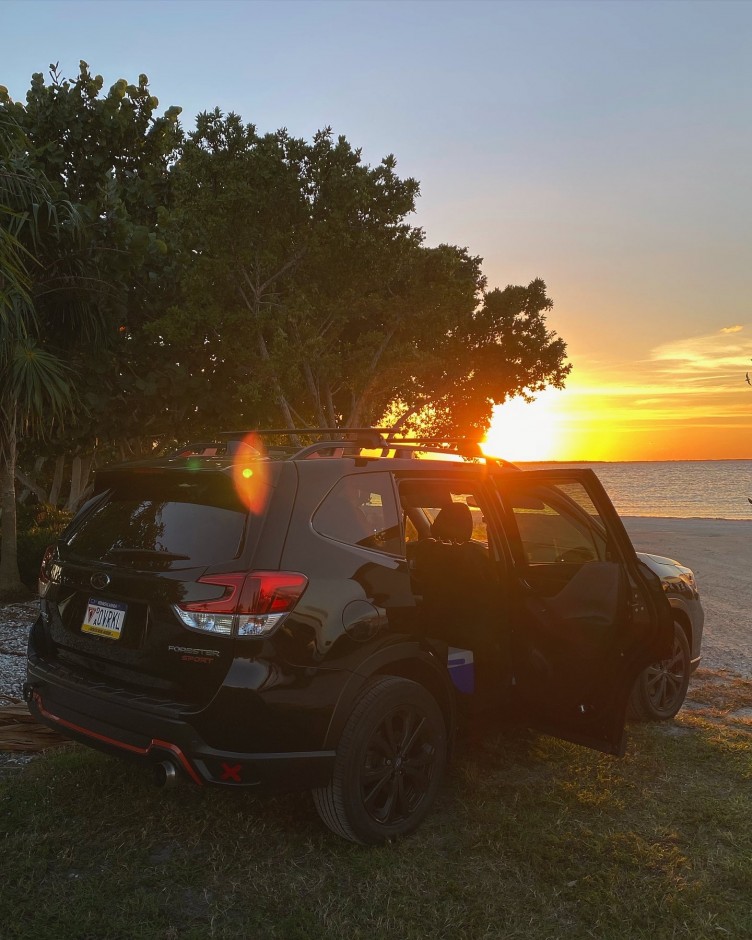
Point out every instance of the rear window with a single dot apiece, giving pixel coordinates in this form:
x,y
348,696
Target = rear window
x,y
157,523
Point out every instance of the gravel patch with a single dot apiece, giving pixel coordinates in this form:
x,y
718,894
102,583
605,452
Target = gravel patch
x,y
15,623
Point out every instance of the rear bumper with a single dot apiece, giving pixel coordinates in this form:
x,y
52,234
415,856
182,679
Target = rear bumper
x,y
153,739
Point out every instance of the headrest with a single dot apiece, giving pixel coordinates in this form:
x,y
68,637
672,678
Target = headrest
x,y
454,523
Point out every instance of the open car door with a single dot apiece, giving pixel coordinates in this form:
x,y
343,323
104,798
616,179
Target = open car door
x,y
587,618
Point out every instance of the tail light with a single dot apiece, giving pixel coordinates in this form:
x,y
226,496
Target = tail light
x,y
252,604
49,570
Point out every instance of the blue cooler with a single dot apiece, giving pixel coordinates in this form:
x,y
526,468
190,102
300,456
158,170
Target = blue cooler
x,y
462,670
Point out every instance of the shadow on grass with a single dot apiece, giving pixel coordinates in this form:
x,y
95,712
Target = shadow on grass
x,y
531,838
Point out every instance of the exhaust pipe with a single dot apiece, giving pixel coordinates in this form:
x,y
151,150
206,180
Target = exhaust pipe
x,y
165,774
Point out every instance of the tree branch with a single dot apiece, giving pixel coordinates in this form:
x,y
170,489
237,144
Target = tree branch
x,y
29,484
281,399
297,256
310,379
359,400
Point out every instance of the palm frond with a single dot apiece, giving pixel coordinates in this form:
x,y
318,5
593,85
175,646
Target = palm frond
x,y
40,384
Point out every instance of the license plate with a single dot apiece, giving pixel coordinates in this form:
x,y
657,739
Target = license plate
x,y
104,618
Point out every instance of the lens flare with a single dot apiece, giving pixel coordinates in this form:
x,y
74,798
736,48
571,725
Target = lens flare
x,y
250,472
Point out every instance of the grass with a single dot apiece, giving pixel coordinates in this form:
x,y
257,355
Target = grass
x,y
532,838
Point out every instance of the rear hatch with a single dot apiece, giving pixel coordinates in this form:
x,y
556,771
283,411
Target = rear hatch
x,y
133,556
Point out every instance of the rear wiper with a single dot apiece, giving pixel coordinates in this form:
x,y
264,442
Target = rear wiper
x,y
148,553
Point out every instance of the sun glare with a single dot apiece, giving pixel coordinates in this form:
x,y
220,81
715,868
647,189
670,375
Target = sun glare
x,y
523,430
250,481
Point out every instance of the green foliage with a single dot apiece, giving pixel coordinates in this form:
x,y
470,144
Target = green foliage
x,y
237,278
18,188
49,309
81,182
241,278
111,151
501,349
108,154
38,382
38,223
38,527
285,239
305,282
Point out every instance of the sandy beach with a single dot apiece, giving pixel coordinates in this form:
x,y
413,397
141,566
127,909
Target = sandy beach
x,y
719,552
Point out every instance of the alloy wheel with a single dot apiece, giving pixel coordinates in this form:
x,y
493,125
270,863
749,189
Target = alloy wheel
x,y
398,765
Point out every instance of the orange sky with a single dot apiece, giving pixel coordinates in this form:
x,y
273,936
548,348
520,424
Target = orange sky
x,y
686,399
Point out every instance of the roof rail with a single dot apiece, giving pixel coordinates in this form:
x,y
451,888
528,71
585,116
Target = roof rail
x,y
384,439
291,432
351,441
372,435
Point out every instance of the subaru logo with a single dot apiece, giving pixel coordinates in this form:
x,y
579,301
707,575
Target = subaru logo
x,y
99,580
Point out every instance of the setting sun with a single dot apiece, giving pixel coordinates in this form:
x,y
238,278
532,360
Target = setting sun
x,y
523,430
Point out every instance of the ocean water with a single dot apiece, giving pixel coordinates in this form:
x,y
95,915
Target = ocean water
x,y
685,489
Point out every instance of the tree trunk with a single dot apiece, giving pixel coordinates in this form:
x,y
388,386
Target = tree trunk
x,y
330,406
87,465
279,395
10,578
29,484
57,481
80,470
314,393
310,378
360,400
75,483
253,307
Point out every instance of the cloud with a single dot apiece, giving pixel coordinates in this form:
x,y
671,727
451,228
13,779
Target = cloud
x,y
688,396
723,354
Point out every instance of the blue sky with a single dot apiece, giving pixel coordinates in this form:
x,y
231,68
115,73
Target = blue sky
x,y
603,146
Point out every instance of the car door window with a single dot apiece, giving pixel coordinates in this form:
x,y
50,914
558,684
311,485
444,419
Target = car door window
x,y
423,500
361,510
558,525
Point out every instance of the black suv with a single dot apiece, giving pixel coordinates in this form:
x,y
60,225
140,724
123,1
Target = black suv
x,y
326,617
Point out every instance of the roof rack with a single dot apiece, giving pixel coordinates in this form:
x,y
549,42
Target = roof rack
x,y
351,441
370,433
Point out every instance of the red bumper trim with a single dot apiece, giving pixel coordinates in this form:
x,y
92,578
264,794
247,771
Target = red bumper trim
x,y
132,748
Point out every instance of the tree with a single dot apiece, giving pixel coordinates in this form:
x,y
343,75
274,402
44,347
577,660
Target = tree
x,y
501,349
110,154
307,281
33,380
235,278
17,184
83,264
277,230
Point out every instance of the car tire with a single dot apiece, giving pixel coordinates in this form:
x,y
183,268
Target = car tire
x,y
389,766
660,689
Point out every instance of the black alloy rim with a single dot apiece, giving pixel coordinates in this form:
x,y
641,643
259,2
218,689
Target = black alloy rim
x,y
398,765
